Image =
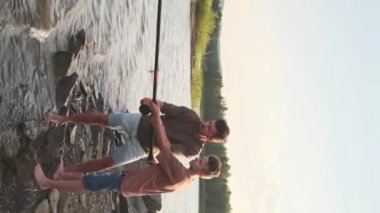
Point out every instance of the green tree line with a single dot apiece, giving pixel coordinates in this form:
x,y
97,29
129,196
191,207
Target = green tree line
x,y
214,194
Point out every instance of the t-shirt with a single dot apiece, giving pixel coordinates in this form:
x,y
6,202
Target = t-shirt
x,y
182,127
167,176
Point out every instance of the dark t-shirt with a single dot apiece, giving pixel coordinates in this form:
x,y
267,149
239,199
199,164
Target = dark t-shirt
x,y
182,126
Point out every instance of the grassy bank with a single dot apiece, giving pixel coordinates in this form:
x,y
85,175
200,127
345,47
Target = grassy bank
x,y
204,23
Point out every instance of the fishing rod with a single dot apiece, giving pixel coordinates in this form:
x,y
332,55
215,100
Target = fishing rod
x,y
143,108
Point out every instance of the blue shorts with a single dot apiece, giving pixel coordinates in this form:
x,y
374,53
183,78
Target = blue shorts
x,y
105,181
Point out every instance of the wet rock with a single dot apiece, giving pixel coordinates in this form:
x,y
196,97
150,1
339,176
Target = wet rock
x,y
153,202
82,145
99,144
10,142
27,201
76,42
87,154
107,146
73,135
62,204
25,176
42,207
30,129
61,63
1,176
114,196
118,139
53,143
54,199
136,205
63,89
81,88
123,204
83,200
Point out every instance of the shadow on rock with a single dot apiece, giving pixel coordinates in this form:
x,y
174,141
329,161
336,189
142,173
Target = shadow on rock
x,y
63,89
76,42
62,59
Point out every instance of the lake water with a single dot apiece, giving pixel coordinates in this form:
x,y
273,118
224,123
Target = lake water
x,y
117,58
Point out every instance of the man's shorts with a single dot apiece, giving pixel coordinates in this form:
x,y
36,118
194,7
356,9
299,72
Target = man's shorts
x,y
105,181
132,150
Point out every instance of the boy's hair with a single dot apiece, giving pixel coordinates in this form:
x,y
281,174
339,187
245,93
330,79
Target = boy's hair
x,y
222,129
214,166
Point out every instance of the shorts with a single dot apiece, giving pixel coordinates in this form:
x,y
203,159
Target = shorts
x,y
131,151
124,122
105,181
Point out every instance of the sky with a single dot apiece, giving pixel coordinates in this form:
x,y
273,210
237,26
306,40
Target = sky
x,y
301,82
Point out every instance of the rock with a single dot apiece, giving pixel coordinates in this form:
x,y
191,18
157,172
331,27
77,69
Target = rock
x,y
136,205
153,202
107,146
1,176
54,198
61,61
114,196
81,89
25,176
123,204
27,201
10,142
81,36
62,204
82,145
76,42
63,111
42,207
30,129
73,135
53,143
83,200
87,154
100,144
63,88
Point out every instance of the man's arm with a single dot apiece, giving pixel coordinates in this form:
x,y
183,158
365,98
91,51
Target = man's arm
x,y
168,109
161,139
146,101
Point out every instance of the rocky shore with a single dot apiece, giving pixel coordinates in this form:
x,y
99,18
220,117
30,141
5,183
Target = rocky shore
x,y
27,141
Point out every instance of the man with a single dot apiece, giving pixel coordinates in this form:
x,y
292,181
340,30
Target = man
x,y
167,176
186,132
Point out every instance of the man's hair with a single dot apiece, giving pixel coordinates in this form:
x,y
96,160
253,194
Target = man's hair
x,y
214,166
222,129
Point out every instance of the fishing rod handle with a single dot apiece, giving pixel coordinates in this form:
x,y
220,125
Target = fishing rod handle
x,y
144,109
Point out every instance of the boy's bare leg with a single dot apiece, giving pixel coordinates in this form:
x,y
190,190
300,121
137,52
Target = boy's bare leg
x,y
85,118
66,185
96,165
60,174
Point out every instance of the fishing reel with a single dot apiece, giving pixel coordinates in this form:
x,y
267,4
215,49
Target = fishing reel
x,y
144,109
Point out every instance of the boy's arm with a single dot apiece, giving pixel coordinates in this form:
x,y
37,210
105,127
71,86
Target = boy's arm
x,y
171,166
173,169
182,150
